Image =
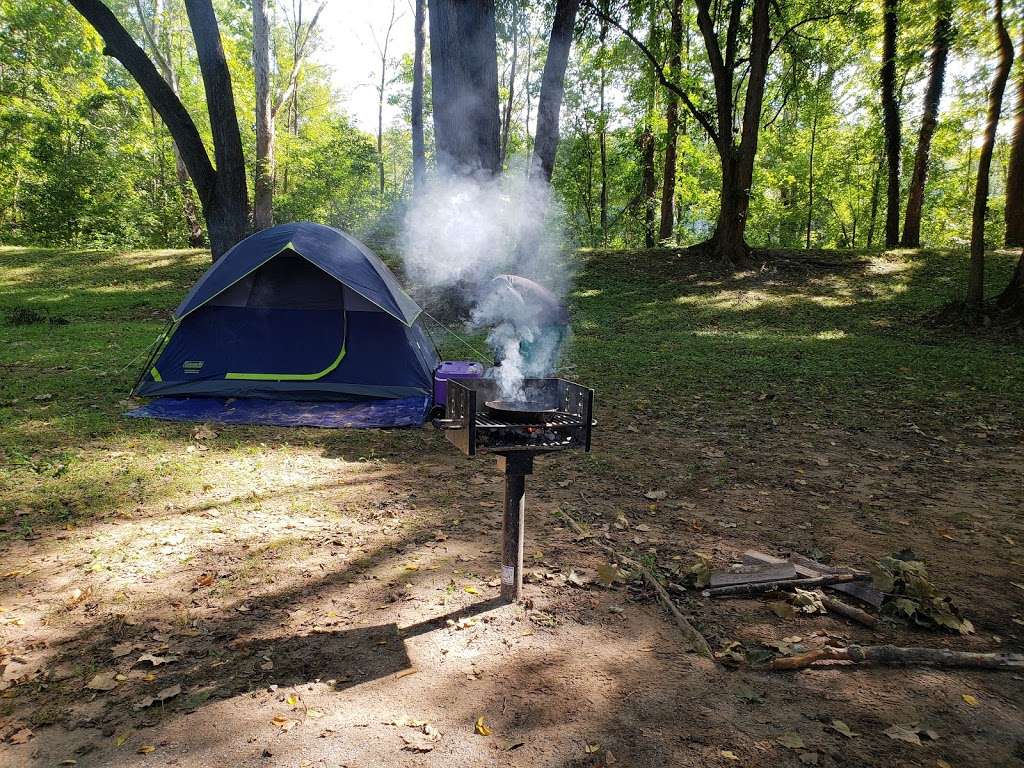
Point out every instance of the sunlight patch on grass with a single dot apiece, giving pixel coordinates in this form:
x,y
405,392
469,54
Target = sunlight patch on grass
x,y
833,335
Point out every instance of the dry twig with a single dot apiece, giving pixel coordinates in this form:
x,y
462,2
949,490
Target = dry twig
x,y
695,639
892,655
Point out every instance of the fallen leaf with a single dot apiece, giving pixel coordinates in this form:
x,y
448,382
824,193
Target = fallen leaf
x,y
471,590
104,681
314,714
656,495
608,574
903,733
592,749
782,609
416,743
942,764
284,723
576,579
728,754
292,700
122,649
969,700
156,661
843,728
145,749
121,738
791,740
481,727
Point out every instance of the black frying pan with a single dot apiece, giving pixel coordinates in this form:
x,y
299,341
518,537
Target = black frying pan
x,y
520,411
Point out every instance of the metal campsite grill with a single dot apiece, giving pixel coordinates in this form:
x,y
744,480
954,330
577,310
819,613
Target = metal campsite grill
x,y
555,415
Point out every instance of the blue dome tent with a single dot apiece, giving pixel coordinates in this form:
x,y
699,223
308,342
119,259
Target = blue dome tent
x,y
300,312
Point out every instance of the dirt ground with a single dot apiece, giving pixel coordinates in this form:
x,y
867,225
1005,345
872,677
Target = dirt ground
x,y
201,596
316,638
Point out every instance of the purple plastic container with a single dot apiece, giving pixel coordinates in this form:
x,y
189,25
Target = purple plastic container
x,y
453,369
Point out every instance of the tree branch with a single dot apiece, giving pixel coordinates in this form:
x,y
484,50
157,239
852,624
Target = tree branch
x,y
300,56
119,44
659,71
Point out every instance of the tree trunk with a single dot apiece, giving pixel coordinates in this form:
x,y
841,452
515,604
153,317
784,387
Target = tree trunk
x,y
729,241
649,184
929,121
552,89
976,273
464,84
810,171
263,185
1015,174
1012,297
666,226
419,159
227,215
876,181
891,122
506,125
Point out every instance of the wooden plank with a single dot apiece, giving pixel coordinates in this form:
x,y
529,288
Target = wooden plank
x,y
752,574
809,569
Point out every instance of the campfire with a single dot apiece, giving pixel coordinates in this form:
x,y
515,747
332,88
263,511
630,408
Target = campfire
x,y
553,415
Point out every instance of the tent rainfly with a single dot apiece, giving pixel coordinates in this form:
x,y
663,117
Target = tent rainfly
x,y
300,311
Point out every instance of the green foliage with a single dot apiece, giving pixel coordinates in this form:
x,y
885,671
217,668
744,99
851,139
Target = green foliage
x,y
911,596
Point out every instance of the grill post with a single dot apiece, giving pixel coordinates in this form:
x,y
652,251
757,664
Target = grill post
x,y
516,466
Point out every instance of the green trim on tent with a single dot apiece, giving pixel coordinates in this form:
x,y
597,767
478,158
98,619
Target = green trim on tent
x,y
296,376
290,376
155,374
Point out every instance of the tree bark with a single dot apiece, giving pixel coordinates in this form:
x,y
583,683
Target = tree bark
x,y
1015,174
929,120
666,225
419,159
222,192
227,215
729,241
552,89
976,273
464,84
891,122
810,167
263,184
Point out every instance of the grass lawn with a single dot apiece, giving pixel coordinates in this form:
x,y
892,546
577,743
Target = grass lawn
x,y
793,407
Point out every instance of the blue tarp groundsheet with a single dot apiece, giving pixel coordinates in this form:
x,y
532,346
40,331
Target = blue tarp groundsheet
x,y
364,414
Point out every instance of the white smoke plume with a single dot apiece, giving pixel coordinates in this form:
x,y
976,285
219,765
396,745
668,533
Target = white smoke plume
x,y
461,232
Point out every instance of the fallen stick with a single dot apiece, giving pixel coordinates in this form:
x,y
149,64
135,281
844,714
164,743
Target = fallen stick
x,y
893,655
849,611
696,641
771,586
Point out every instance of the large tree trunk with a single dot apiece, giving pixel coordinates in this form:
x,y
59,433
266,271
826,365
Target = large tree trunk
x,y
222,192
552,89
227,214
263,185
666,226
891,122
419,158
464,84
929,121
729,241
976,274
1015,174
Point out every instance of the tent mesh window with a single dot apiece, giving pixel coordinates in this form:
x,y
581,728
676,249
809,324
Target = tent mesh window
x,y
287,281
